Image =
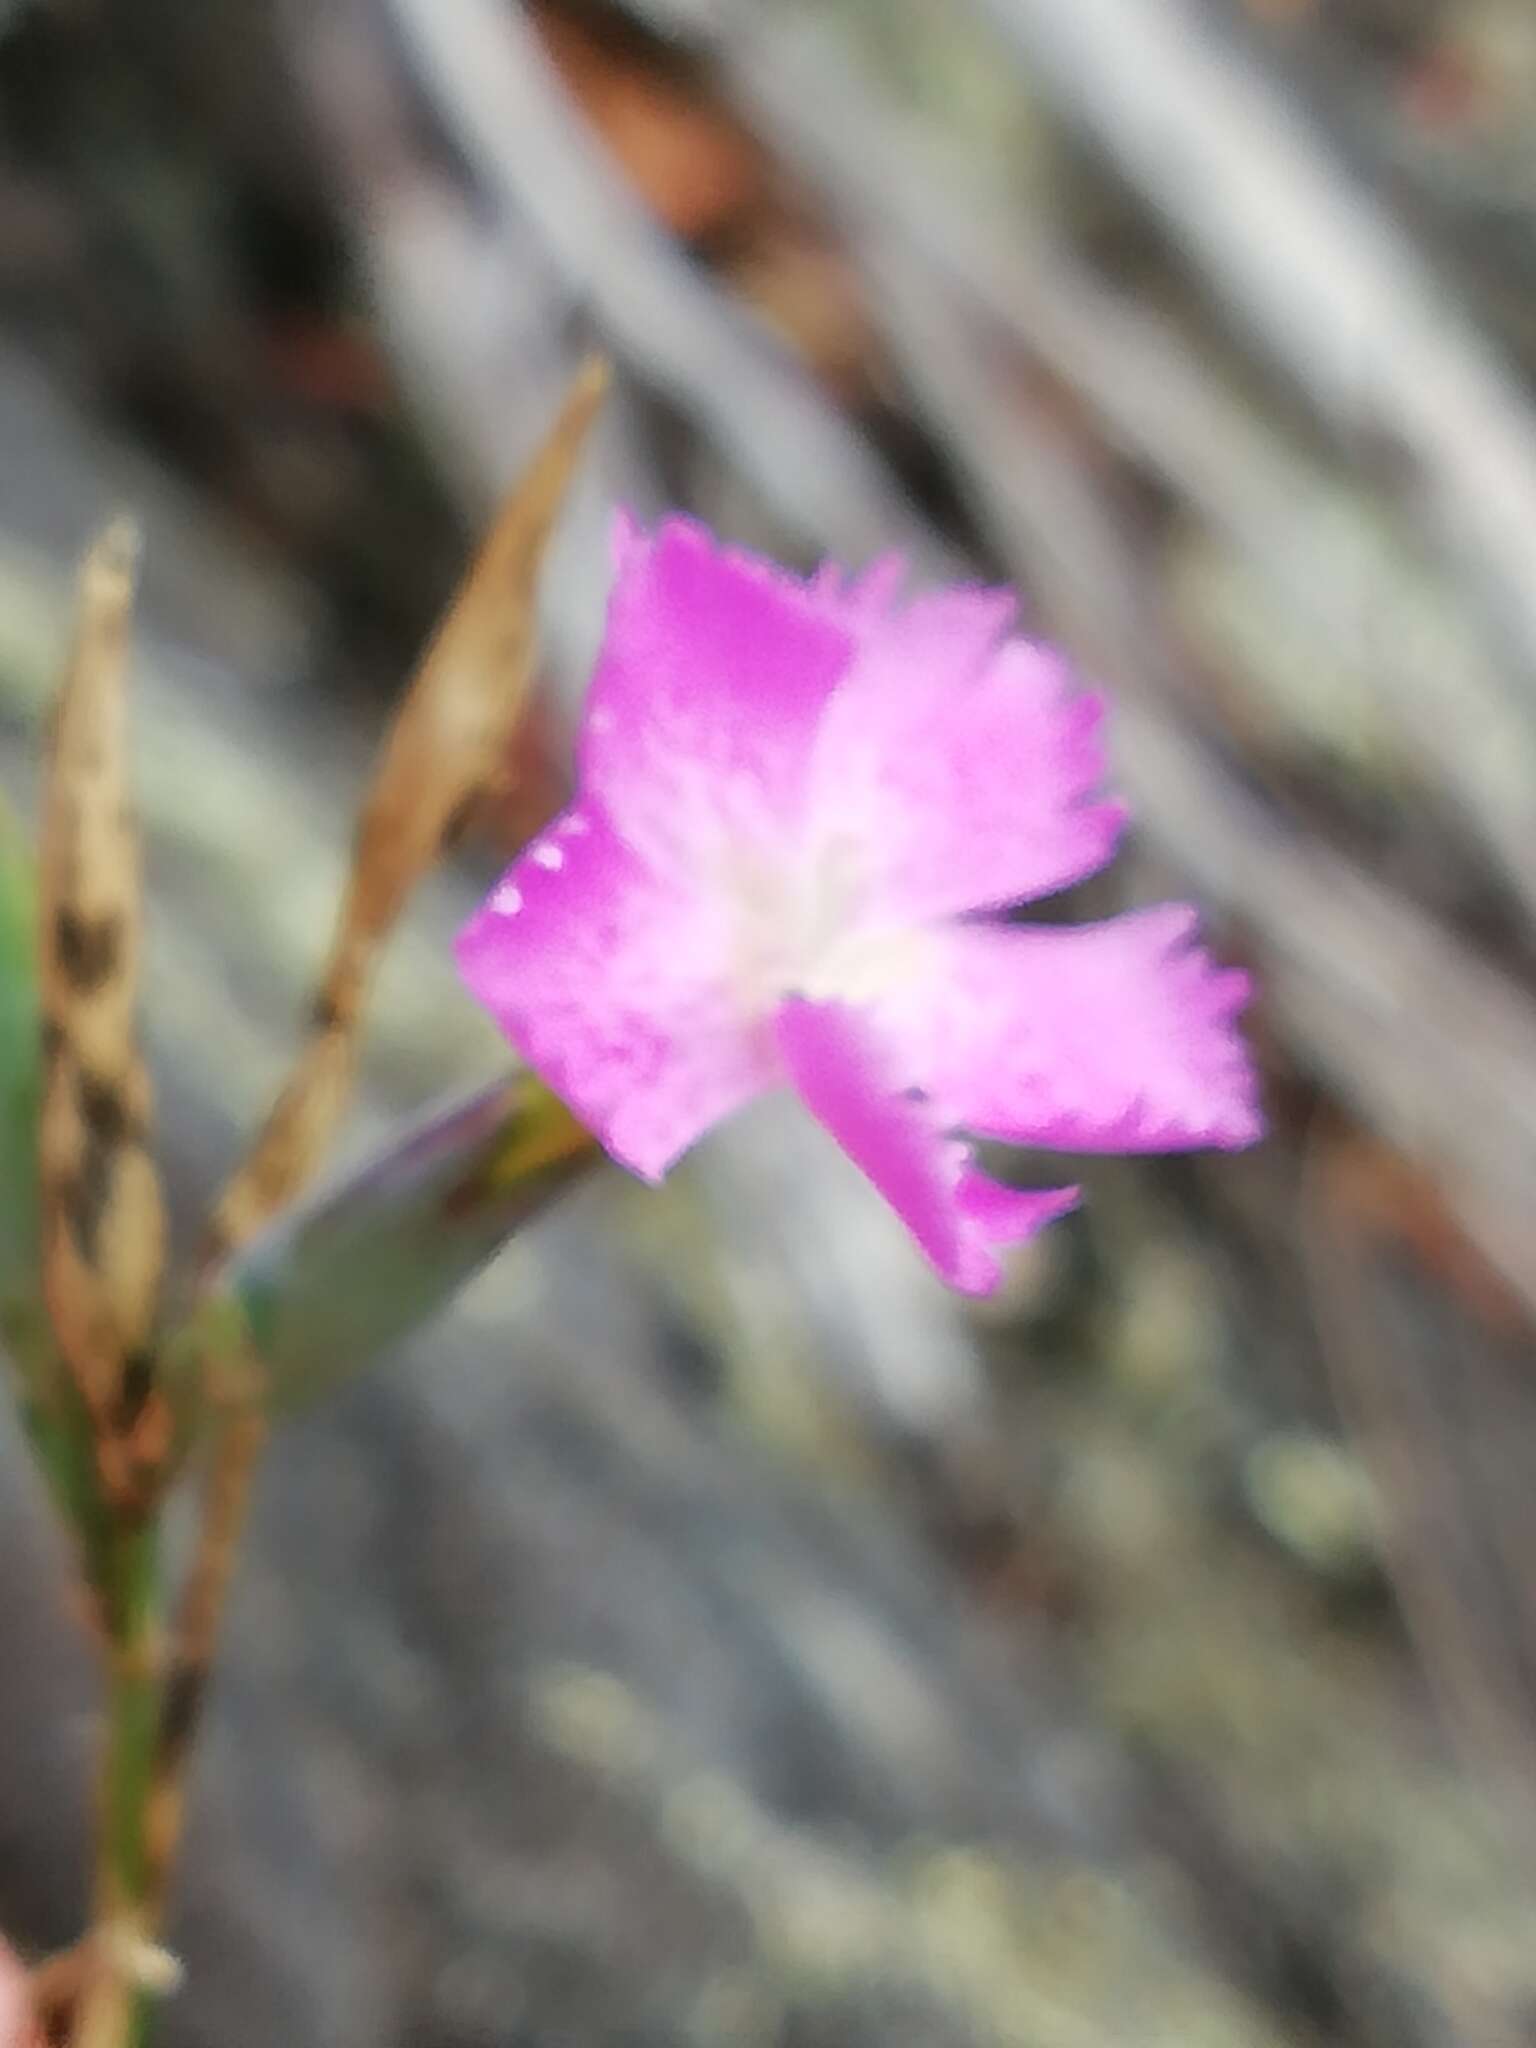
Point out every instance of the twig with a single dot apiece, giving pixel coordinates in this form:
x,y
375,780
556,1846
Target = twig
x,y
448,743
237,1437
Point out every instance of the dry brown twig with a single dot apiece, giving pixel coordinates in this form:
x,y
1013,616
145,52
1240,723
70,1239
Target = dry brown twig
x,y
238,1431
449,742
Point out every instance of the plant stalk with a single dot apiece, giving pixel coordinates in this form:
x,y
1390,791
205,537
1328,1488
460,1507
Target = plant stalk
x,y
114,2006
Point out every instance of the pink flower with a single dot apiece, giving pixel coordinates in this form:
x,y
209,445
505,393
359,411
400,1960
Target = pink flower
x,y
799,806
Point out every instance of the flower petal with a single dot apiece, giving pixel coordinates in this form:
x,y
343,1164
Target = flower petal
x,y
858,601
958,1217
1011,1215
1115,1037
612,984
715,669
967,766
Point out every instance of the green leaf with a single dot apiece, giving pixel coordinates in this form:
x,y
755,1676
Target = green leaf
x,y
20,1078
57,1424
355,1268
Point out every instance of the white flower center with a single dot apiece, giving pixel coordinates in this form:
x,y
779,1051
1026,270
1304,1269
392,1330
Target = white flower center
x,y
804,926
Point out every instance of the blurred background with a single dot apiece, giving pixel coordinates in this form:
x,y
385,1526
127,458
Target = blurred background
x,y
713,1634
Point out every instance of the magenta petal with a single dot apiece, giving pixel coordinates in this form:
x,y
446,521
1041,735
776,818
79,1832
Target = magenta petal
x,y
1115,1037
968,766
626,537
1010,1215
715,670
612,985
958,1217
859,601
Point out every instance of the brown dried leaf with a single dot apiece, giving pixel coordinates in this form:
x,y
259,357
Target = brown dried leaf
x,y
448,744
103,1225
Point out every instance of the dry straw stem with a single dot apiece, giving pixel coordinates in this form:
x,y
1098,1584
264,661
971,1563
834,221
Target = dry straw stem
x,y
449,743
103,1226
240,1435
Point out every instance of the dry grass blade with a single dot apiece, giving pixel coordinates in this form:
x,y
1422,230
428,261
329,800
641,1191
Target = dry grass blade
x,y
239,1436
103,1224
448,744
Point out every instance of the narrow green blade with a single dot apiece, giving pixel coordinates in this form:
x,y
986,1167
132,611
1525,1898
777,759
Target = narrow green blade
x,y
56,1422
364,1262
20,1076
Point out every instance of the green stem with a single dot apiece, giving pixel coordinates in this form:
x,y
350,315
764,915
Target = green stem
x,y
133,1710
61,1434
115,2010
119,1555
